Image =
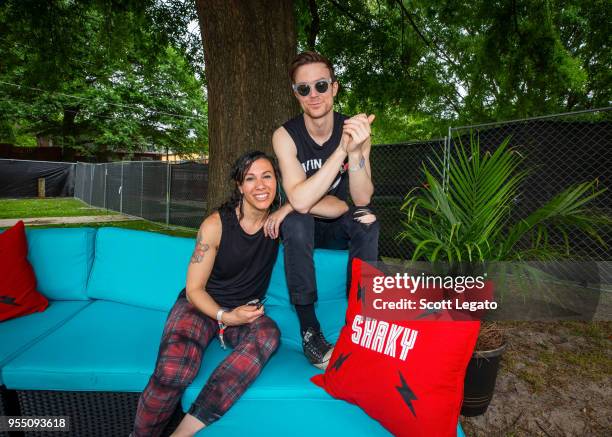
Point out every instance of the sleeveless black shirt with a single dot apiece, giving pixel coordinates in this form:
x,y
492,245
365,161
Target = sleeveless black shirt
x,y
243,265
312,156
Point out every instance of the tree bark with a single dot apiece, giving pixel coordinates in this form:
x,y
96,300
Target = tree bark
x,y
248,46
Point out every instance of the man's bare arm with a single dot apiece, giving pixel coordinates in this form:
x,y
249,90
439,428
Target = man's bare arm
x,y
357,134
360,176
304,193
329,207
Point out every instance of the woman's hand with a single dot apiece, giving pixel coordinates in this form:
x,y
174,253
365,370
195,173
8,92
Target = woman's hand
x,y
242,315
274,220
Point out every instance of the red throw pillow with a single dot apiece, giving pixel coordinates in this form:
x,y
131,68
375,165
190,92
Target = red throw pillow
x,y
18,294
408,375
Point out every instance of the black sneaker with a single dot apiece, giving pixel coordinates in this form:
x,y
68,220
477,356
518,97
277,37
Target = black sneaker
x,y
316,348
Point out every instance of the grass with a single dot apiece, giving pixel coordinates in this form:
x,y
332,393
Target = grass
x,y
56,207
139,225
68,207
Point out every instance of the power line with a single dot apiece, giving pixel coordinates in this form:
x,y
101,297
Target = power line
x,y
122,105
85,116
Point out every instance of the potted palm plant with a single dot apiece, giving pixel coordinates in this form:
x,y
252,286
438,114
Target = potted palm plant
x,y
464,214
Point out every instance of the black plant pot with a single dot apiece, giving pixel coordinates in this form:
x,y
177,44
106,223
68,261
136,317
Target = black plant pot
x,y
479,382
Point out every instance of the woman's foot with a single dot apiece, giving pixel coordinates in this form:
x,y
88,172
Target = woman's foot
x,y
188,427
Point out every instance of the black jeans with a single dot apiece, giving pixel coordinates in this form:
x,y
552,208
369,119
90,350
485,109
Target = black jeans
x,y
301,233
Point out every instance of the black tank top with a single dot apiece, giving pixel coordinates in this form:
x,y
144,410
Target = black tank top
x,y
312,156
243,265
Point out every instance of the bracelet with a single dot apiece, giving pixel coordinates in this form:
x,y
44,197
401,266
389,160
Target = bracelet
x,y
220,315
358,166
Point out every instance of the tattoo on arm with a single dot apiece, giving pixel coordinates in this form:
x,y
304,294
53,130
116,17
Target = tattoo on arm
x,y
199,251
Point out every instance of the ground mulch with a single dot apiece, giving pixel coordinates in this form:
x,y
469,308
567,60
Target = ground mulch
x,y
555,380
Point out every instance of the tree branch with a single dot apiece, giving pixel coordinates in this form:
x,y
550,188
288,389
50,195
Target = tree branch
x,y
429,44
314,24
348,13
434,47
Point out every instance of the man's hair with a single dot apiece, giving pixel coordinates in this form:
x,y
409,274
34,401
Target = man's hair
x,y
309,57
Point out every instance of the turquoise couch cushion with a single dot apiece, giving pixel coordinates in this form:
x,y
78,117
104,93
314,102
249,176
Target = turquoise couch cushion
x,y
16,335
286,376
331,315
107,346
294,417
330,273
139,268
61,259
280,417
117,349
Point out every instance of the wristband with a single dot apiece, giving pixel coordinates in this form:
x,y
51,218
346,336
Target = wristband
x,y
220,315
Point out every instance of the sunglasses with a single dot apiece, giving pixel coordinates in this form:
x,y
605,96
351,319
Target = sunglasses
x,y
303,89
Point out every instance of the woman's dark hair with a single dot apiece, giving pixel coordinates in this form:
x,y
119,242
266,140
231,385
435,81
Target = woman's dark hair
x,y
238,173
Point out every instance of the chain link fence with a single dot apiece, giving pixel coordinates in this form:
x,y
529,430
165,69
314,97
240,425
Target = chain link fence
x,y
559,150
173,194
397,169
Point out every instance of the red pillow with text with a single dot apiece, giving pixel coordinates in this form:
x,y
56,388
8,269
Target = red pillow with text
x,y
408,375
18,294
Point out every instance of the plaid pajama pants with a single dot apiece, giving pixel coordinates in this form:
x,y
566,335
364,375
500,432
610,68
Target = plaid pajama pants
x,y
186,334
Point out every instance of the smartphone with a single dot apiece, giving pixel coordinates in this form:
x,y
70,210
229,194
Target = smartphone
x,y
256,303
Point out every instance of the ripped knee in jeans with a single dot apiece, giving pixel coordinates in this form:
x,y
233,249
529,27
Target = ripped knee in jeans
x,y
364,215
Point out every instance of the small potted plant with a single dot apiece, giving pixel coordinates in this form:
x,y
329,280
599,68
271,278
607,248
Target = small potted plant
x,y
463,214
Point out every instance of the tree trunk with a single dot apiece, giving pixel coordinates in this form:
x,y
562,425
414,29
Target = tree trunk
x,y
248,46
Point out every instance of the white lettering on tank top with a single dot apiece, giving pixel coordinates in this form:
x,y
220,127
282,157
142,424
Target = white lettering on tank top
x,y
312,164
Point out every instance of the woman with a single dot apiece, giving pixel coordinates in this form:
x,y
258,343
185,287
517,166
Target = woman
x,y
230,268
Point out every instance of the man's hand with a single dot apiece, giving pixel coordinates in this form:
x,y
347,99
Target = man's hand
x,y
356,131
242,315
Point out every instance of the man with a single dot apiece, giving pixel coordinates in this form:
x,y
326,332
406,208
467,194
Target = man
x,y
323,157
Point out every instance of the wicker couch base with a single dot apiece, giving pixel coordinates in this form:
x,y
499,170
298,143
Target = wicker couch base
x,y
3,401
92,414
9,406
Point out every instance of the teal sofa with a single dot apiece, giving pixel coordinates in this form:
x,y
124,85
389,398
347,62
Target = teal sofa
x,y
91,353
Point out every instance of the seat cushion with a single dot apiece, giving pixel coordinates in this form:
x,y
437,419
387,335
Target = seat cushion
x,y
287,374
107,346
118,346
17,335
330,273
62,258
295,417
331,315
139,268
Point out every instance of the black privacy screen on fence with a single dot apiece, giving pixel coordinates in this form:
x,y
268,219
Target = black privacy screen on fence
x,y
557,154
19,178
397,169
